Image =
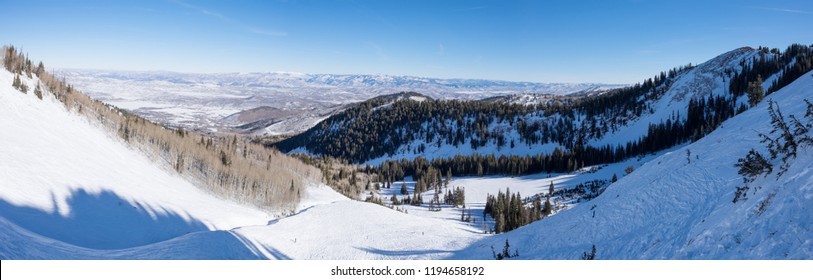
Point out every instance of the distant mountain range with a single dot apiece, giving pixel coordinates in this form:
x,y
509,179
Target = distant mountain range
x,y
296,100
675,106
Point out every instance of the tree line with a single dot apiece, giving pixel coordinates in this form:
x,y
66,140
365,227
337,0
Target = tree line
x,y
791,64
704,115
224,165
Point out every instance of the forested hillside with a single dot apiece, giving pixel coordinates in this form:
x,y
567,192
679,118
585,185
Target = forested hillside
x,y
742,192
556,134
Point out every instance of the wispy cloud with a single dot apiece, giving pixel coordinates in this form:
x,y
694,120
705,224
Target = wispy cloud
x,y
142,9
225,19
267,32
783,10
441,49
202,10
214,14
466,9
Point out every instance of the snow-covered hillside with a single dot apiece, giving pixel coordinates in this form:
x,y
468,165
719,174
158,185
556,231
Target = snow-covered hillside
x,y
679,207
66,179
702,81
71,191
202,101
627,120
19,242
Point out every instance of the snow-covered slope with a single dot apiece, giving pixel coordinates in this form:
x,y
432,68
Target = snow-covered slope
x,y
358,230
68,190
64,178
708,78
17,242
676,207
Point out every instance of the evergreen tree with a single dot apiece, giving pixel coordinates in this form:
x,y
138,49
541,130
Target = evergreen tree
x,y
789,135
550,189
434,204
689,156
509,212
38,91
752,165
499,223
506,252
548,209
40,69
404,188
783,141
755,91
23,87
224,158
537,209
16,82
591,255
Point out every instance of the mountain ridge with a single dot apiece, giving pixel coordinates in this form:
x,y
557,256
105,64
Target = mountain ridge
x,y
202,101
686,102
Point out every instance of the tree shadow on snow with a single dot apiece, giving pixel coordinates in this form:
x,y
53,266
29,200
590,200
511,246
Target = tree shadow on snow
x,y
208,245
402,253
102,221
260,250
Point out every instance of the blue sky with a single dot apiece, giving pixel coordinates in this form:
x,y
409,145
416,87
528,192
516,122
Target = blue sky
x,y
540,41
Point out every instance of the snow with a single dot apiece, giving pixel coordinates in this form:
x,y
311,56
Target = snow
x,y
319,195
700,81
358,230
68,190
706,79
417,98
62,177
433,151
477,190
201,101
293,125
71,191
671,208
